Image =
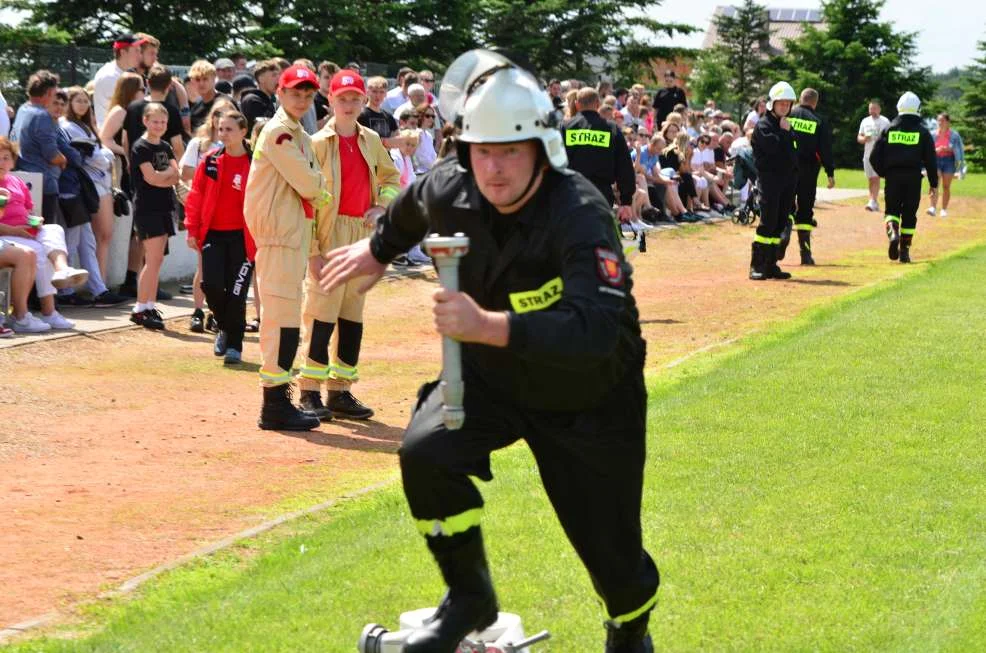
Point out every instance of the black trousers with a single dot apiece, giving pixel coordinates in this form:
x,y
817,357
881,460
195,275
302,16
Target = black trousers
x,y
226,274
804,211
591,464
776,199
902,197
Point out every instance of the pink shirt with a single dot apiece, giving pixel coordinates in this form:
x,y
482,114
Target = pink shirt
x,y
19,204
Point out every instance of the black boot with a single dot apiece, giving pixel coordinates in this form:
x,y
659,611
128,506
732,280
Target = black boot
x,y
756,262
893,235
311,401
470,603
342,403
279,414
770,269
629,637
804,245
785,241
905,248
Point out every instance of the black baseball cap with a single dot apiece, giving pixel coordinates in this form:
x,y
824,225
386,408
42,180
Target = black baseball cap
x,y
243,82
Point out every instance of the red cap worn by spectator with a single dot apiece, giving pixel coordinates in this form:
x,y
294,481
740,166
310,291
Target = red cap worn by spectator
x,y
126,41
295,76
347,80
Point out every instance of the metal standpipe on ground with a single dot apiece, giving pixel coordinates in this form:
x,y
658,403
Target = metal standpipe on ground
x,y
447,250
506,635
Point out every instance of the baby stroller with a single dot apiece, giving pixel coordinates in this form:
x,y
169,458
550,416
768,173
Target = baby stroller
x,y
745,171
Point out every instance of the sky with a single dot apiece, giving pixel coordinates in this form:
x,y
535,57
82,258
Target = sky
x,y
948,31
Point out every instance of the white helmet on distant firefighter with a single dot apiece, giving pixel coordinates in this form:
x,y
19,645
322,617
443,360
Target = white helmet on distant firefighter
x,y
908,103
493,100
780,91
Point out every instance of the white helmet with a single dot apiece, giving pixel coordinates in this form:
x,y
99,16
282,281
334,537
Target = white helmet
x,y
780,91
908,103
502,104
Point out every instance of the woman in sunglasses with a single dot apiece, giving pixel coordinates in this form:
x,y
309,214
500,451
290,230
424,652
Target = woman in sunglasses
x,y
426,154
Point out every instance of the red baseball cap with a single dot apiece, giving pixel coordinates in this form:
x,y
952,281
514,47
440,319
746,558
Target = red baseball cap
x,y
347,80
127,41
295,76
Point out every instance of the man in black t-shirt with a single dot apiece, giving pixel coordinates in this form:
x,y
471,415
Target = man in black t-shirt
x,y
323,111
666,98
375,116
159,83
203,77
259,102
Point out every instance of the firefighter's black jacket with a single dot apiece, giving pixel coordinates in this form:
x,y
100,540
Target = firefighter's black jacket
x,y
597,149
813,134
560,275
904,147
773,151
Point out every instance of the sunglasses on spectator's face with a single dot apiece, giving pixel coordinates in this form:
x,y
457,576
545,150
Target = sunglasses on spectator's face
x,y
426,79
426,115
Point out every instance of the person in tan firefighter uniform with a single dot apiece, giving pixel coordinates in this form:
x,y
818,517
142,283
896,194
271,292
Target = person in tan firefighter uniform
x,y
283,191
363,180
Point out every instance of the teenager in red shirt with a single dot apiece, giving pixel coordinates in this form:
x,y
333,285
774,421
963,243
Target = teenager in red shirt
x,y
215,224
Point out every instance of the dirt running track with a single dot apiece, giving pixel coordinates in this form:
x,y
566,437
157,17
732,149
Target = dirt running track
x,y
121,451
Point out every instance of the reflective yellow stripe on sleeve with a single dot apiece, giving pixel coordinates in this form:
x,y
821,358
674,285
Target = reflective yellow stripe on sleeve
x,y
450,525
908,231
766,240
892,218
388,193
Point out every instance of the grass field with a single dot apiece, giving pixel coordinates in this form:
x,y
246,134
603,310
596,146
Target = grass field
x,y
815,488
974,185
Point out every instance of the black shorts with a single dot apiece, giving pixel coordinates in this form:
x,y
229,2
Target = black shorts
x,y
153,225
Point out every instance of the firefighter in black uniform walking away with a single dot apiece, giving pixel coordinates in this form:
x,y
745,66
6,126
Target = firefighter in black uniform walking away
x,y
813,136
597,149
551,353
777,169
898,156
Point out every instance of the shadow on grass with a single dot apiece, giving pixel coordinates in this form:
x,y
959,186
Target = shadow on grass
x,y
666,320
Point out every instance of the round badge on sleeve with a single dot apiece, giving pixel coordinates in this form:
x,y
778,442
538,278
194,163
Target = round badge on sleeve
x,y
608,267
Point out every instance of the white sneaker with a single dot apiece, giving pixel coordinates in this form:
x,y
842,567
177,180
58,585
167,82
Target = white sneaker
x,y
931,210
943,213
57,321
29,324
872,206
69,278
640,225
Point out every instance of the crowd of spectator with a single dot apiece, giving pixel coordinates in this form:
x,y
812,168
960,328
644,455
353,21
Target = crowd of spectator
x,y
100,159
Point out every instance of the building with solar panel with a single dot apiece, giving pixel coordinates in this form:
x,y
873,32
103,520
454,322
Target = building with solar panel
x,y
784,24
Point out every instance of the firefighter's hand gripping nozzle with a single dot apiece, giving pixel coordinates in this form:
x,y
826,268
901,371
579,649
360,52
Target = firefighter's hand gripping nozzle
x,y
447,250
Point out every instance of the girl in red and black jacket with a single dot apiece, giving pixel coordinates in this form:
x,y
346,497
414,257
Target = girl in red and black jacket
x,y
215,224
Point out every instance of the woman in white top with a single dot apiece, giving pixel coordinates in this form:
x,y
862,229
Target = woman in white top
x,y
703,169
79,123
757,108
206,139
426,155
